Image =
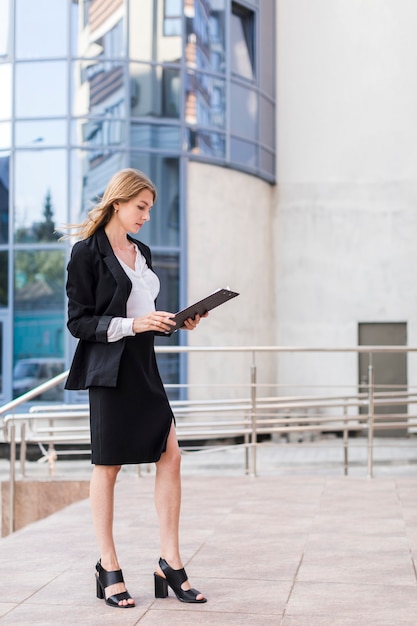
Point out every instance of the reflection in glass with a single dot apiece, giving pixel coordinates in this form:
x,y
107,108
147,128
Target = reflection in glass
x,y
267,162
41,28
98,133
5,28
147,39
41,89
40,195
205,103
98,87
4,281
242,45
155,136
6,91
41,133
154,91
243,152
206,143
5,135
205,35
4,197
39,308
91,170
166,267
172,17
244,104
267,123
163,228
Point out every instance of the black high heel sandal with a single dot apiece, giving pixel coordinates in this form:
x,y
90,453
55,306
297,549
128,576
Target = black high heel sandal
x,y
105,579
174,578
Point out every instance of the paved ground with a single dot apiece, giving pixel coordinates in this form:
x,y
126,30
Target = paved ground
x,y
299,545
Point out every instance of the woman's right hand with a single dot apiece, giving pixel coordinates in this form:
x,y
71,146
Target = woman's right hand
x,y
158,321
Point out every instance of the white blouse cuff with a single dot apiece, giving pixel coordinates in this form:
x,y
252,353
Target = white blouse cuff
x,y
120,327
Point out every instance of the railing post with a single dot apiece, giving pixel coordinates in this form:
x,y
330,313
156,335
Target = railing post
x,y
12,478
346,441
253,417
371,416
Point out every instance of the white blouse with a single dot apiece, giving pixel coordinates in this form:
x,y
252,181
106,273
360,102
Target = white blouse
x,y
145,288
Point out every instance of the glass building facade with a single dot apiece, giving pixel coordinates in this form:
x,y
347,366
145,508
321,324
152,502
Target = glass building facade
x,y
100,85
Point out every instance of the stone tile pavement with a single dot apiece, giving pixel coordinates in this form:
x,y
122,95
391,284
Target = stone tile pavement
x,y
300,547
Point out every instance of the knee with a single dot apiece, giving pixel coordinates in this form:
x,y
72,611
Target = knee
x,y
109,471
171,460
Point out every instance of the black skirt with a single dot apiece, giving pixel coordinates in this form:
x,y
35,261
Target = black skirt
x,y
130,423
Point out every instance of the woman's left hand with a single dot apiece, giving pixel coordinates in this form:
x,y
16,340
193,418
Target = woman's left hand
x,y
191,323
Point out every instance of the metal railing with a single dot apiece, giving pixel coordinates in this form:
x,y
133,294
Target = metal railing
x,y
220,422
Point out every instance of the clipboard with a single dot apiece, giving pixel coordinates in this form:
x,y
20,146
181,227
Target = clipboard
x,y
202,306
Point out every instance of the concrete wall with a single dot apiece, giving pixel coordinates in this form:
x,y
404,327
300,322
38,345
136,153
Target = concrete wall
x,y
230,244
345,227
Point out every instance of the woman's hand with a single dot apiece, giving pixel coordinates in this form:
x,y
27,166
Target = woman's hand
x,y
158,321
191,323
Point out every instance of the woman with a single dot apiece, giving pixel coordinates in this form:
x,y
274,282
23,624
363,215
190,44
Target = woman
x,y
111,292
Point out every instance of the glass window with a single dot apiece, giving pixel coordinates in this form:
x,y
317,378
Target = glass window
x,y
156,136
267,123
164,225
267,52
205,35
91,170
6,91
154,91
267,162
5,28
41,89
242,45
206,143
98,133
205,100
4,280
98,87
151,38
41,28
243,152
172,17
4,197
5,135
41,133
40,195
39,306
244,107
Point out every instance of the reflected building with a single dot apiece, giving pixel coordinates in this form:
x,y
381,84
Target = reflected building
x,y
181,89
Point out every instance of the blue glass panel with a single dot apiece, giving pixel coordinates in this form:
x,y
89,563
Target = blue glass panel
x,y
154,91
244,107
205,100
41,133
206,143
41,28
41,89
4,196
40,190
243,152
6,91
5,135
205,35
156,136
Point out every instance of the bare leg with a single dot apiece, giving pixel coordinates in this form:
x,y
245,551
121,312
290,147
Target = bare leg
x,y
168,504
102,505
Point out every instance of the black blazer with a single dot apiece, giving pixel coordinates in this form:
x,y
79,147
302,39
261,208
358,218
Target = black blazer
x,y
97,290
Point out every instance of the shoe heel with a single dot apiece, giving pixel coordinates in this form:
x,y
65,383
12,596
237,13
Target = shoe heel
x,y
161,587
99,590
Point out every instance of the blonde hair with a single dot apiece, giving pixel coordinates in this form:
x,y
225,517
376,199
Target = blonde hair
x,y
123,186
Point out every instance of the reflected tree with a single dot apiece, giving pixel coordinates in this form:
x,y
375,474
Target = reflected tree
x,y
40,231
